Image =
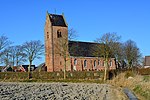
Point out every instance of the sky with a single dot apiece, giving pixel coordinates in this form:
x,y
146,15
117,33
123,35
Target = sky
x,y
24,20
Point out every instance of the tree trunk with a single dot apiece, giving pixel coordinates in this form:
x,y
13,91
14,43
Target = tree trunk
x,y
105,72
106,68
29,74
13,62
17,63
65,70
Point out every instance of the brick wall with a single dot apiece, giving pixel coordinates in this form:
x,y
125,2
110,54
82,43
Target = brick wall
x,y
92,63
53,46
54,55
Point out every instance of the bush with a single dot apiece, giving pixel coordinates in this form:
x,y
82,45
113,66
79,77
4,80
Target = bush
x,y
144,71
52,75
13,75
47,75
129,74
81,74
85,75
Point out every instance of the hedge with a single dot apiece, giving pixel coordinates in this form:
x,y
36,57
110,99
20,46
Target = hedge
x,y
69,75
13,75
52,75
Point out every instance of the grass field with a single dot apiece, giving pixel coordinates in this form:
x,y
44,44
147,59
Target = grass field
x,y
140,85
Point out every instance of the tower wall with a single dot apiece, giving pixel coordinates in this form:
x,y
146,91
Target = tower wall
x,y
48,45
59,46
55,36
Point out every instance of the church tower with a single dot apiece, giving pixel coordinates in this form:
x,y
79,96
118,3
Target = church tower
x,y
55,30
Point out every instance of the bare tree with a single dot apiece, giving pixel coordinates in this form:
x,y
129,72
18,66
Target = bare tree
x,y
33,50
4,42
13,55
62,46
20,55
132,53
5,57
142,61
72,34
108,42
17,55
118,53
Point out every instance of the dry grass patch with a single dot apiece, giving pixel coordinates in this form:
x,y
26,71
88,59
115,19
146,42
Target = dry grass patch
x,y
140,85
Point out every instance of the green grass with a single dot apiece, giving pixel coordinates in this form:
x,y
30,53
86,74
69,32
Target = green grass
x,y
146,78
139,90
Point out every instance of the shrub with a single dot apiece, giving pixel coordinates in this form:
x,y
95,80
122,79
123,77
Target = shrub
x,y
144,71
13,75
52,75
129,74
47,75
85,75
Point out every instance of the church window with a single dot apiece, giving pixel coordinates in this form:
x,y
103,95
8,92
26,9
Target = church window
x,y
103,63
110,63
99,62
94,63
85,63
59,34
47,35
75,62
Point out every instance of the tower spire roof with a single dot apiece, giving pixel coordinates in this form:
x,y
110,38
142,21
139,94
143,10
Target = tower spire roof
x,y
57,20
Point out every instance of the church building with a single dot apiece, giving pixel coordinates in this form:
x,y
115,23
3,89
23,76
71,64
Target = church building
x,y
79,55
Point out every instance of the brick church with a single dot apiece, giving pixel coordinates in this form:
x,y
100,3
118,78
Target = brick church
x,y
80,58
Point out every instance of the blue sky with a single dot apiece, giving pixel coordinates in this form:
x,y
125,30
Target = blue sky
x,y
23,20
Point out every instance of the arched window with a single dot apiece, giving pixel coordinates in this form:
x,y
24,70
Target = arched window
x,y
75,61
47,35
94,63
59,34
99,62
91,62
103,63
60,63
110,63
85,63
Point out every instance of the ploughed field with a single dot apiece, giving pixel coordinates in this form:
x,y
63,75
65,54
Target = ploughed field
x,y
59,91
